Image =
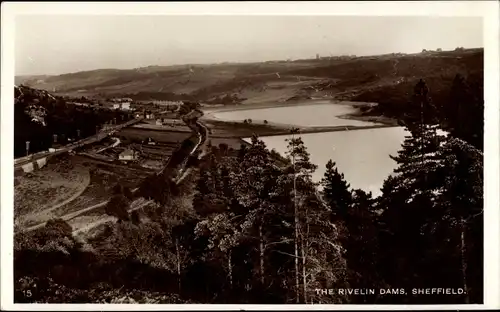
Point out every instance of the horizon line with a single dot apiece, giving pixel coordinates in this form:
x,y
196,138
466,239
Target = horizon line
x,y
241,62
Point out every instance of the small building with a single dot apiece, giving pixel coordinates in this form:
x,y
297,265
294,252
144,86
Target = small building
x,y
150,141
126,106
152,164
128,155
116,106
159,122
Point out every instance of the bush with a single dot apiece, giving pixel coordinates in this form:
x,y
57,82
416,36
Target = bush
x,y
59,227
223,147
192,161
118,207
135,217
127,193
56,235
117,189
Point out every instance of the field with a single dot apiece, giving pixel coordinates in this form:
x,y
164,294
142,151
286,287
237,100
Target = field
x,y
133,134
103,177
232,143
175,125
38,194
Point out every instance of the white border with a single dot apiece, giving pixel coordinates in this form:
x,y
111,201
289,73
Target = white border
x,y
489,10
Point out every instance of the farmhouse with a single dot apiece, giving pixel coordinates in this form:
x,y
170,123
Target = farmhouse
x,y
152,164
150,141
121,100
128,154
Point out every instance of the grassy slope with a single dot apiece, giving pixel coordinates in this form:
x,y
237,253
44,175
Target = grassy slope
x,y
48,187
259,82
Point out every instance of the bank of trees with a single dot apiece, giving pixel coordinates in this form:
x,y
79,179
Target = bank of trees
x,y
458,102
255,228
44,120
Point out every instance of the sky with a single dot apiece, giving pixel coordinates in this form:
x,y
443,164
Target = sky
x,y
57,44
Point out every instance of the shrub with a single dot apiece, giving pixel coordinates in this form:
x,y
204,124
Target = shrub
x,y
59,227
117,189
135,217
223,147
118,207
127,193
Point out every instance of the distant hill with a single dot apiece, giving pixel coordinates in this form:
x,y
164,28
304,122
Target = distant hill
x,y
267,81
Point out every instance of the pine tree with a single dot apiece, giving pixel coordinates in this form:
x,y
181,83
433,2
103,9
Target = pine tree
x,y
408,195
214,201
209,197
223,236
435,188
336,191
324,264
318,256
253,184
301,169
362,245
356,220
463,113
460,205
417,158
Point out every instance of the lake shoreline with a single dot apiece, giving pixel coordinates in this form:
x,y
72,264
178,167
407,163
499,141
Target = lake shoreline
x,y
241,129
261,105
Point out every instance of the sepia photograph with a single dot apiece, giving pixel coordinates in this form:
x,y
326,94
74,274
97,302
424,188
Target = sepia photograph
x,y
248,159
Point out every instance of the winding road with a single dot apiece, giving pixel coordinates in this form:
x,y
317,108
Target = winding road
x,y
202,133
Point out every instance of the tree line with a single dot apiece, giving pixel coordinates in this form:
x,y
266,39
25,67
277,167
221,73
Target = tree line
x,y
253,227
458,102
44,120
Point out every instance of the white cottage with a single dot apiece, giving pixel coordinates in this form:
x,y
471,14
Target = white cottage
x,y
128,155
150,141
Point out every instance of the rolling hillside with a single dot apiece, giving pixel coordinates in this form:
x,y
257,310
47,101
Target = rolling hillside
x,y
268,81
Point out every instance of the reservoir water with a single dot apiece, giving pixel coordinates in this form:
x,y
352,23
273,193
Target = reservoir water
x,y
361,155
318,115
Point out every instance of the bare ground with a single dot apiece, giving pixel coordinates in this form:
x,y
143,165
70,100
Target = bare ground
x,y
103,179
38,194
